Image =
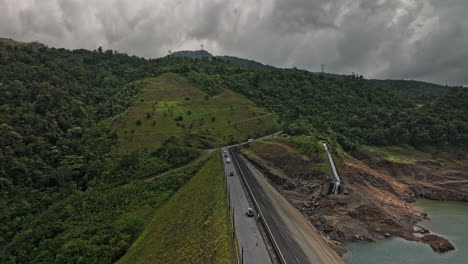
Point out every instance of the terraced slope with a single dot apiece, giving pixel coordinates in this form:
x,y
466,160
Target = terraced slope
x,y
172,108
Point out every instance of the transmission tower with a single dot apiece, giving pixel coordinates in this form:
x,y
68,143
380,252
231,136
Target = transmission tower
x,y
201,45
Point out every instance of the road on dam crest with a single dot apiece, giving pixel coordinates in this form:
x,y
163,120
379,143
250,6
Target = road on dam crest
x,y
297,240
248,233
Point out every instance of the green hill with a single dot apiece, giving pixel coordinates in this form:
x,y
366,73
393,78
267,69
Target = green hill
x,y
194,54
405,87
172,108
246,62
412,88
203,54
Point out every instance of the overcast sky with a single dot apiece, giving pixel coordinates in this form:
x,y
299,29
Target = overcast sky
x,y
399,39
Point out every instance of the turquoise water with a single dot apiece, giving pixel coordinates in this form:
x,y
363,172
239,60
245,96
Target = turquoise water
x,y
448,219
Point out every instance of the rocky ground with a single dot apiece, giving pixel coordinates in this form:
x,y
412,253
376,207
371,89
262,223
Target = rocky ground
x,y
374,202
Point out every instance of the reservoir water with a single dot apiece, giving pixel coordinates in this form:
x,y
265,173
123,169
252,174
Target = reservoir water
x,y
448,219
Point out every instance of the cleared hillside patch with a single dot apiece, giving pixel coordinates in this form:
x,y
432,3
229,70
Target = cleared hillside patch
x,y
399,154
284,154
192,227
172,107
409,155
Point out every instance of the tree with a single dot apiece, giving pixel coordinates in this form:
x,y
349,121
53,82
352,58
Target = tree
x,y
9,138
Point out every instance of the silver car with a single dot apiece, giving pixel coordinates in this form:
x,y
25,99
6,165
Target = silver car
x,y
250,212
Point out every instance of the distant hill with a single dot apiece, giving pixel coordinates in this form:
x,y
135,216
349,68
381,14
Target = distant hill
x,y
203,54
405,87
194,54
413,88
245,62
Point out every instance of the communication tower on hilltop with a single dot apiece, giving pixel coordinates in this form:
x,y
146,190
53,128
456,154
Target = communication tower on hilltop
x,y
201,45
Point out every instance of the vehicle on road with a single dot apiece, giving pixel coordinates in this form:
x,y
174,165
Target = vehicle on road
x,y
231,173
250,140
228,160
250,212
225,155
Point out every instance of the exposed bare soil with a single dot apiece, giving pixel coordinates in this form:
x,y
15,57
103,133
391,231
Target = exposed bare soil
x,y
430,179
374,202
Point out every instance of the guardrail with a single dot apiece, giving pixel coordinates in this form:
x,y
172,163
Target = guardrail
x,y
259,211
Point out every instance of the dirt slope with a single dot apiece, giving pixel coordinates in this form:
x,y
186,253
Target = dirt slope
x,y
375,199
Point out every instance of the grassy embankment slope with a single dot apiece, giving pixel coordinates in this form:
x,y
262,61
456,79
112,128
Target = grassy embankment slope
x,y
192,227
282,152
171,106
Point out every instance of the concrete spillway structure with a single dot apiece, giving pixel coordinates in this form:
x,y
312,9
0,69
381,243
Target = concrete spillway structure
x,y
335,179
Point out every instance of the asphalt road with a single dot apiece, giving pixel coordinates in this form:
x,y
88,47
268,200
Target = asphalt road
x,y
298,240
248,233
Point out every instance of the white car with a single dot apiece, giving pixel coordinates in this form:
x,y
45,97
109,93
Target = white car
x,y
250,212
228,160
250,140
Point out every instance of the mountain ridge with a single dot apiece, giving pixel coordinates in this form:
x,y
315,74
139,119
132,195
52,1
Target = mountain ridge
x,y
412,88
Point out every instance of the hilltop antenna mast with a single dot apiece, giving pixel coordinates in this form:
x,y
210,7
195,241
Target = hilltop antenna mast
x,y
169,53
323,69
201,45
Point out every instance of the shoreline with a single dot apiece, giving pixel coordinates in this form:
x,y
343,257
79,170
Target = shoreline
x,y
375,203
448,219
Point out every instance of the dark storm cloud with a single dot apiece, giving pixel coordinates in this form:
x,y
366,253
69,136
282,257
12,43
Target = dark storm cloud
x,y
411,39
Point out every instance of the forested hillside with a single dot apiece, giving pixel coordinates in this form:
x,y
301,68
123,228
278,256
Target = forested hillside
x,y
404,87
60,161
413,88
203,54
351,110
